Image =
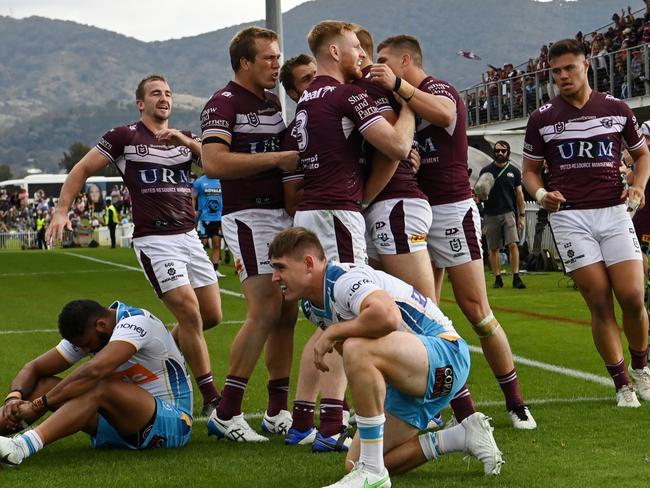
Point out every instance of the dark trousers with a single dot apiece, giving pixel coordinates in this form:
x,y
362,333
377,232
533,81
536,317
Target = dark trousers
x,y
40,239
111,230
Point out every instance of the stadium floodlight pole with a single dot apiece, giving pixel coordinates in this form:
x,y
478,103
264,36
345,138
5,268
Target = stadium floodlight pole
x,y
274,22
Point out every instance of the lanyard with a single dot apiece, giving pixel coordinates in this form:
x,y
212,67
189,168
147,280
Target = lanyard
x,y
503,169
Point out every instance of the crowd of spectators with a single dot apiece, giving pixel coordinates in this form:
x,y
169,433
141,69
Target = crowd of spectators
x,y
19,213
512,91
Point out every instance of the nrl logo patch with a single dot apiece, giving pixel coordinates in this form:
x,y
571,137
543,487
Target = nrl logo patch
x,y
607,123
253,119
141,150
559,127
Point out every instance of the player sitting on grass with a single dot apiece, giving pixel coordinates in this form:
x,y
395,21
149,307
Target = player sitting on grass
x,y
135,367
403,358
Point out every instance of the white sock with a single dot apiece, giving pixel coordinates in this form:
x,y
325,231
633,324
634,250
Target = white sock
x,y
451,439
29,443
429,445
371,435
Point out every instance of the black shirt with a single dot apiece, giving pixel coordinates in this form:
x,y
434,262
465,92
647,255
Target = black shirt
x,y
502,198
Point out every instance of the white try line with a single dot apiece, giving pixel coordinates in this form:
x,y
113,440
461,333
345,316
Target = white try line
x,y
573,373
44,273
133,268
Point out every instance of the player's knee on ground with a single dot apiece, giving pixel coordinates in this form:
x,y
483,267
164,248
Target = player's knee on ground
x,y
487,327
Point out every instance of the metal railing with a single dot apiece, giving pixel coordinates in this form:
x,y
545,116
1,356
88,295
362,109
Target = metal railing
x,y
625,74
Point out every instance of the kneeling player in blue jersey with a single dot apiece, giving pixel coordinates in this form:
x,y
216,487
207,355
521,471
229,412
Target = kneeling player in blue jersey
x,y
135,367
403,358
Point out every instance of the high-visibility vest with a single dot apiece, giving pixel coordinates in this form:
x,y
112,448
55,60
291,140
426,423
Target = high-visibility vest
x,y
40,223
110,208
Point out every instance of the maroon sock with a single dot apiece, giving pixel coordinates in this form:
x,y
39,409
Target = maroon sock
x,y
207,388
618,374
278,394
303,415
231,398
331,416
346,407
509,384
639,358
462,404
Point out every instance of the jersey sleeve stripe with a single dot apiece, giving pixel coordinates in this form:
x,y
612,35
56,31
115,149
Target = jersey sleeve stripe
x,y
533,157
105,153
636,146
222,132
370,122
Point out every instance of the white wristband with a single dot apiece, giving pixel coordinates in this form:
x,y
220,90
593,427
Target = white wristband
x,y
540,194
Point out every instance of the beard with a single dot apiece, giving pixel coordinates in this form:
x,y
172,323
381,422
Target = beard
x,y
501,159
104,338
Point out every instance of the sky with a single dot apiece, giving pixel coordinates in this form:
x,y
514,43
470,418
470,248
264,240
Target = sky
x,y
147,20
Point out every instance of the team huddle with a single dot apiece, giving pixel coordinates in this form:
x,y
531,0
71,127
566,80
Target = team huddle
x,y
351,214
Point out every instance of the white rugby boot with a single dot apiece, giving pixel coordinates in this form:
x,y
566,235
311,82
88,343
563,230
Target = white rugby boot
x,y
480,443
278,424
362,477
522,418
236,429
641,379
625,397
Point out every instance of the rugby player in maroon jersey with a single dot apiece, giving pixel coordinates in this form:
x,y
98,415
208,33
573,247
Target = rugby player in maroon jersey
x,y
455,235
398,218
242,125
155,160
332,118
580,134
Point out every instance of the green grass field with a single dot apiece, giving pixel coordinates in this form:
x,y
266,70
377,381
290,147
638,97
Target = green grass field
x,y
582,440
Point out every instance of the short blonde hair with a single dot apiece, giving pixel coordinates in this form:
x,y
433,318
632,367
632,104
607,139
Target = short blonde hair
x,y
323,33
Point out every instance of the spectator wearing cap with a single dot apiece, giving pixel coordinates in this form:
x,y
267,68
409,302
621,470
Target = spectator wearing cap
x,y
641,218
504,212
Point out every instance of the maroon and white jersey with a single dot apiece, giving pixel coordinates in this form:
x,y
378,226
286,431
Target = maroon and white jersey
x,y
403,184
157,176
254,126
330,119
443,150
582,148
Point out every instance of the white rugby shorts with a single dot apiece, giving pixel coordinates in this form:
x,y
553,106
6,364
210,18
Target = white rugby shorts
x,y
397,226
341,233
248,234
455,234
584,237
175,260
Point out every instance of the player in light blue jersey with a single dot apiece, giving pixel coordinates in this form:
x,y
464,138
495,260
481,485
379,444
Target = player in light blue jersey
x,y
134,393
207,199
403,358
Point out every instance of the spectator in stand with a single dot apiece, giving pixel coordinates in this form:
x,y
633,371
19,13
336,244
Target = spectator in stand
x,y
95,204
599,62
545,92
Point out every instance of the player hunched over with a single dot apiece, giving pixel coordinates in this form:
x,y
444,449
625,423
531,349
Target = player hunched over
x,y
403,358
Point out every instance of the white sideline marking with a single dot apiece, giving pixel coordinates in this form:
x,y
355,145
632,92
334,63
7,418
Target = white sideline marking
x,y
573,373
487,403
133,268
